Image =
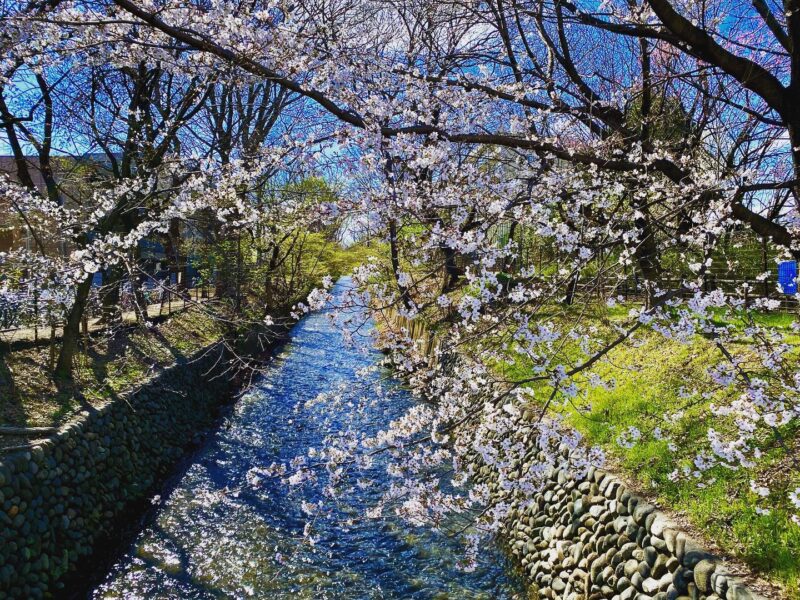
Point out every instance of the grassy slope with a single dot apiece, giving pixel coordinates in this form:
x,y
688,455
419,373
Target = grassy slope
x,y
725,508
30,396
648,378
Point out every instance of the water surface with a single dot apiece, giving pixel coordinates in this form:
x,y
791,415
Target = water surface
x,y
225,532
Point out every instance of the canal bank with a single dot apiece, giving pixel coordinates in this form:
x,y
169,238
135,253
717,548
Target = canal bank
x,y
589,535
222,528
63,498
67,499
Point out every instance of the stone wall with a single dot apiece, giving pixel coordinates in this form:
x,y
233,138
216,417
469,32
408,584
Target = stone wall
x,y
591,538
65,496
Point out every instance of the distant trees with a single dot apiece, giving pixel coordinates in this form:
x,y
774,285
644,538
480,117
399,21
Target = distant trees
x,y
145,150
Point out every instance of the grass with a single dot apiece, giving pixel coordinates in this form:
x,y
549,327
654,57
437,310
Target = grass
x,y
110,364
105,367
720,502
335,260
651,379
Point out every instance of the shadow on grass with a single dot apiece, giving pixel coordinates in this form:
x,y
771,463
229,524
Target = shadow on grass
x,y
12,411
107,365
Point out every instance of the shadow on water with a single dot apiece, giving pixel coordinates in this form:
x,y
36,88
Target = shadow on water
x,y
139,516
223,531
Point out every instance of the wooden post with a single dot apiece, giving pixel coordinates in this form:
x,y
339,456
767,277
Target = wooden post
x,y
52,345
36,315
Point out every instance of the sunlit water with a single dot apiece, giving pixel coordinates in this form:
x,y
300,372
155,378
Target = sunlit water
x,y
221,534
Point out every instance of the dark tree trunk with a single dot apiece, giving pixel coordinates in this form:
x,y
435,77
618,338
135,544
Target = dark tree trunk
x,y
647,258
452,272
110,297
394,251
72,330
572,286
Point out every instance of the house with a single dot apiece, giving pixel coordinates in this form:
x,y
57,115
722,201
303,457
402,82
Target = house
x,y
71,175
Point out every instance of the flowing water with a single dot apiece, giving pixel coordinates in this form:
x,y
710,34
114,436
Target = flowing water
x,y
223,533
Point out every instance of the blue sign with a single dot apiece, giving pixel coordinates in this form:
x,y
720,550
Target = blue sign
x,y
787,276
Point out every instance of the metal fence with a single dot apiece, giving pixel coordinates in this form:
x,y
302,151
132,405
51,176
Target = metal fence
x,y
35,311
743,266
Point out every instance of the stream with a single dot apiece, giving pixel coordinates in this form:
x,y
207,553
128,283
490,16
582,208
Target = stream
x,y
221,531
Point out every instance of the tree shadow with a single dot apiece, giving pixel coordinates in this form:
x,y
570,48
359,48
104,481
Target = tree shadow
x,y
181,571
176,354
12,410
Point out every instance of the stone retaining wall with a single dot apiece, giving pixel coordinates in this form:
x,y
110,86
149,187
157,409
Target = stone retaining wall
x,y
591,538
65,495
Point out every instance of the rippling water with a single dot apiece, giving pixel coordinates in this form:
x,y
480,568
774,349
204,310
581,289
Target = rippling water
x,y
222,534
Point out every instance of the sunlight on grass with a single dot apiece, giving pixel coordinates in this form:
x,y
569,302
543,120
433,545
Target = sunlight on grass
x,y
657,378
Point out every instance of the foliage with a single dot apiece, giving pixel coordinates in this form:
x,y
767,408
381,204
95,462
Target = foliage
x,y
621,141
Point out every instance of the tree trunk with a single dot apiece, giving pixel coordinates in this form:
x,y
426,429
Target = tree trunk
x,y
269,284
110,297
239,268
647,258
572,287
394,252
178,265
765,265
452,272
72,329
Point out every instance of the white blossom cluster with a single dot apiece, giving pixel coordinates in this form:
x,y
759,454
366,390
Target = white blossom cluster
x,y
504,178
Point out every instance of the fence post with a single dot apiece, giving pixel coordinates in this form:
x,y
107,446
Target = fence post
x,y
35,315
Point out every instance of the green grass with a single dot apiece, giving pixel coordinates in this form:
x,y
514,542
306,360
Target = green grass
x,y
648,378
725,507
336,260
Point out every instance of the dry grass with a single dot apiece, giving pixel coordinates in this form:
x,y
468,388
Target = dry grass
x,y
108,363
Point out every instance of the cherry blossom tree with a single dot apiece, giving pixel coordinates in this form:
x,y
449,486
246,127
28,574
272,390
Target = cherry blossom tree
x,y
606,136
